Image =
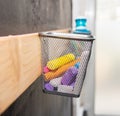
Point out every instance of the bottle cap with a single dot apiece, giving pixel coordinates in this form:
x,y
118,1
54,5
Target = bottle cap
x,y
81,26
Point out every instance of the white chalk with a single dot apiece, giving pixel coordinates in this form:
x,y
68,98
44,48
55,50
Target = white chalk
x,y
65,89
55,82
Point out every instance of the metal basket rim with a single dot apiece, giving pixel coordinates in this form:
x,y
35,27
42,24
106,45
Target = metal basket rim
x,y
81,37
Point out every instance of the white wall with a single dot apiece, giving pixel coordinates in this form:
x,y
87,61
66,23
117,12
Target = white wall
x,y
107,97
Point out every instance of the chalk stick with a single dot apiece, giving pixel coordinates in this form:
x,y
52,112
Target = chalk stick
x,y
46,69
77,65
55,82
49,87
72,84
69,76
53,74
58,62
65,89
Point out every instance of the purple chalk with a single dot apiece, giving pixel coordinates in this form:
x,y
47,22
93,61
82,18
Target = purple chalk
x,y
49,87
69,76
72,84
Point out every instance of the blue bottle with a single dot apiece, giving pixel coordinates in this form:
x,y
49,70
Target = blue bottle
x,y
81,26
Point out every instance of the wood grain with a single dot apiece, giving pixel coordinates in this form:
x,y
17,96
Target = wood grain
x,y
20,66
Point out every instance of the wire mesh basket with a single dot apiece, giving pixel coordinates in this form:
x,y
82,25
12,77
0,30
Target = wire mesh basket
x,y
65,59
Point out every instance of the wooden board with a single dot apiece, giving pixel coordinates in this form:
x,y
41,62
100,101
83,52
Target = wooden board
x,y
20,66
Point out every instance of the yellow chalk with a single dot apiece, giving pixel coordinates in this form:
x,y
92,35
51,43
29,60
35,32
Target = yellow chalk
x,y
58,62
56,73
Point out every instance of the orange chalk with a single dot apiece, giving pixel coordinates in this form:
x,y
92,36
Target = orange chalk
x,y
53,74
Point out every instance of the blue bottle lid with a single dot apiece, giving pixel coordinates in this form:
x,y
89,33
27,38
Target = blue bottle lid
x,y
80,22
81,26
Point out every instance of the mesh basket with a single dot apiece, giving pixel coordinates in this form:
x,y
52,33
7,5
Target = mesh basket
x,y
65,59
